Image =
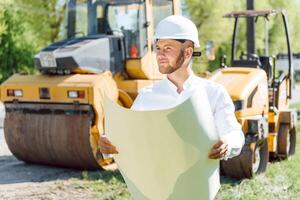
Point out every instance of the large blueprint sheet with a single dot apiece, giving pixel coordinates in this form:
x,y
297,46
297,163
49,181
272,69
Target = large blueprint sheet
x,y
164,154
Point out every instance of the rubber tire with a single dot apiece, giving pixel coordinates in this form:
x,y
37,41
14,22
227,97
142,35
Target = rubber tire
x,y
264,156
241,167
293,141
286,142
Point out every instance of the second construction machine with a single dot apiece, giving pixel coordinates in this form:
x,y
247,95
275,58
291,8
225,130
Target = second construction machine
x,y
260,95
56,118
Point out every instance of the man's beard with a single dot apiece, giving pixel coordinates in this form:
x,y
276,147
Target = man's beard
x,y
170,69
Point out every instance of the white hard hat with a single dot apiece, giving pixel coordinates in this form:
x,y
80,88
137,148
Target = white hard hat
x,y
177,27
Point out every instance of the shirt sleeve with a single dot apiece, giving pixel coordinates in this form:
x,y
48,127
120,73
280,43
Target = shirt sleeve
x,y
227,125
141,100
138,103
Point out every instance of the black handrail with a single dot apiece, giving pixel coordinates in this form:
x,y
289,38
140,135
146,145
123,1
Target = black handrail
x,y
233,44
291,69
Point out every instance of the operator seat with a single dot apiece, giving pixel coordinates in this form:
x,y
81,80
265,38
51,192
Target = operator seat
x,y
266,64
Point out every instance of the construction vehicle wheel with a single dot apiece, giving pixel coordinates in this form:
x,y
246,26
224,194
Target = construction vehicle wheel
x,y
286,141
263,155
293,140
253,159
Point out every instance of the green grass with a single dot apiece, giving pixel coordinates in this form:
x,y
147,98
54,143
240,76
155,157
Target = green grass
x,y
108,185
281,181
296,105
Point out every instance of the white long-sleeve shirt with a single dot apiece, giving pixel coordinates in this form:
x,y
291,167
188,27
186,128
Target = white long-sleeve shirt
x,y
163,95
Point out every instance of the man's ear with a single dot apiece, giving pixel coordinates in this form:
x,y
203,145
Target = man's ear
x,y
188,53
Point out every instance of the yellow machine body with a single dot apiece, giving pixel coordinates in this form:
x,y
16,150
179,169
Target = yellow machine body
x,y
253,98
22,111
250,86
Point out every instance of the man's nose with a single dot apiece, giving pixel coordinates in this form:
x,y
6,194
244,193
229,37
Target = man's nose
x,y
160,56
160,53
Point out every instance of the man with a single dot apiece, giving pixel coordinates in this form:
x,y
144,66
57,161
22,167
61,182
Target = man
x,y
175,39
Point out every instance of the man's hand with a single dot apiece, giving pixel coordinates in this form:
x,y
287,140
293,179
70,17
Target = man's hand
x,y
106,146
219,150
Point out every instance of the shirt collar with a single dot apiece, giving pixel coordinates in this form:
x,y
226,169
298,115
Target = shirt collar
x,y
187,83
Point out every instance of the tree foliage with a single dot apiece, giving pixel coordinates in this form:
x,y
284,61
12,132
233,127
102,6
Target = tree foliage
x,y
15,52
42,18
26,26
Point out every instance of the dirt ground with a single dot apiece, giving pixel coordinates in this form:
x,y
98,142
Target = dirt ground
x,y
19,180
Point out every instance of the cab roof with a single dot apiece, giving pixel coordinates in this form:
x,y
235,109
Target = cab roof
x,y
253,13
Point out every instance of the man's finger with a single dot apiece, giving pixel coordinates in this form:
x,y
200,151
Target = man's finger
x,y
105,146
111,147
219,155
218,152
224,150
103,143
104,139
223,153
218,144
108,149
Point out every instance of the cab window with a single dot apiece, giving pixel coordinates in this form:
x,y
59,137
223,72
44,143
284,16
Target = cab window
x,y
161,10
129,21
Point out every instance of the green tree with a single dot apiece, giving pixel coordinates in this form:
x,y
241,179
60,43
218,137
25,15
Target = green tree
x,y
208,17
15,52
26,26
42,18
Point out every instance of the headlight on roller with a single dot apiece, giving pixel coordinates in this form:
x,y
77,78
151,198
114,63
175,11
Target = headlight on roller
x,y
14,93
238,105
76,94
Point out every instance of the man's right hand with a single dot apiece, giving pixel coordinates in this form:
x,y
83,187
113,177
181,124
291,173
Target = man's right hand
x,y
106,146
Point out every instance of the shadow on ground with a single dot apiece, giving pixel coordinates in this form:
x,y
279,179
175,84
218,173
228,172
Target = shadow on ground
x,y
102,175
13,171
229,181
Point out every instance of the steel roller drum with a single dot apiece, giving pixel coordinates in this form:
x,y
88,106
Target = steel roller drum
x,y
50,134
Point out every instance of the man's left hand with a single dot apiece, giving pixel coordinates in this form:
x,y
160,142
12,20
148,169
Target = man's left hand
x,y
219,150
